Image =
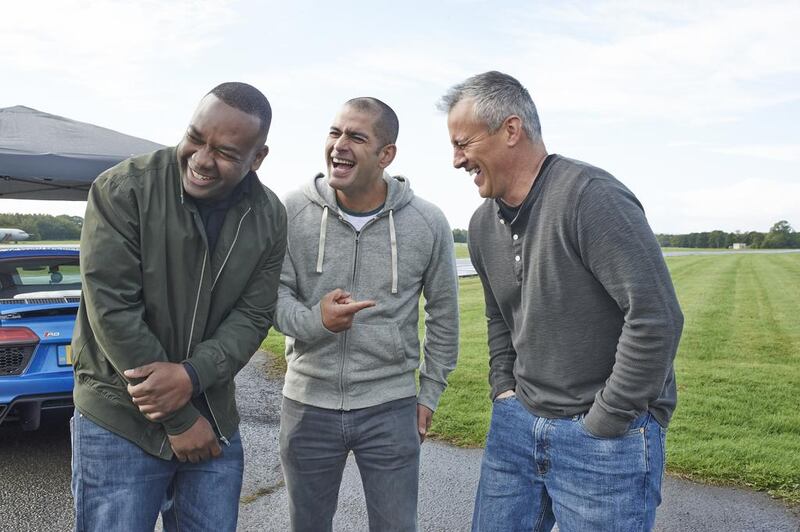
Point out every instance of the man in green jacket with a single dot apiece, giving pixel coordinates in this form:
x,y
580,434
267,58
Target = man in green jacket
x,y
181,252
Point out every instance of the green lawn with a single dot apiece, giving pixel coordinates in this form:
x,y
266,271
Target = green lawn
x,y
461,250
738,371
693,249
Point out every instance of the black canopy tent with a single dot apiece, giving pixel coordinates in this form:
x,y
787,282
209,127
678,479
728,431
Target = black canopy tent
x,y
49,157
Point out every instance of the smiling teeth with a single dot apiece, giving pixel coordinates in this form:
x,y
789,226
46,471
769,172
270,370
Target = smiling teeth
x,y
336,160
202,177
474,171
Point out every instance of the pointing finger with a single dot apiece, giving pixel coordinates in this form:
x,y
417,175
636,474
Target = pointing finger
x,y
357,306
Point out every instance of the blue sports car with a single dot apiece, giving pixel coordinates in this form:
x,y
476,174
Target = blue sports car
x,y
40,291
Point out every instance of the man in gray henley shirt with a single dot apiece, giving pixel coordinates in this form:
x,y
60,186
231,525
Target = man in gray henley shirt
x,y
583,325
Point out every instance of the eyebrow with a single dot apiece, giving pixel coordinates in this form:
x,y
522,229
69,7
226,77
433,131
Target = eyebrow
x,y
230,149
350,132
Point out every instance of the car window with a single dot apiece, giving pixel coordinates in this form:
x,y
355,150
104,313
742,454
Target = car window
x,y
41,274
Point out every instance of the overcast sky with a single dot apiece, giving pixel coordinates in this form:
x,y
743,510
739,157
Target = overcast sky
x,y
695,106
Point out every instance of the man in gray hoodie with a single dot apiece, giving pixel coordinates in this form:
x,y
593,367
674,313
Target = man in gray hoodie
x,y
361,249
583,325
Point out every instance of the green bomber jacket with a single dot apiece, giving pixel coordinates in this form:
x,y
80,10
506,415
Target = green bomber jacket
x,y
152,292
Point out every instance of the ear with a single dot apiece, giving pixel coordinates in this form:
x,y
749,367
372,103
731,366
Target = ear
x,y
260,155
512,127
386,155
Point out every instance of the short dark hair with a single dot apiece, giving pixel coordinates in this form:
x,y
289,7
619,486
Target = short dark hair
x,y
386,126
248,99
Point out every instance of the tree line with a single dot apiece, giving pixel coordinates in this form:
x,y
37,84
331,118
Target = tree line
x,y
45,226
780,235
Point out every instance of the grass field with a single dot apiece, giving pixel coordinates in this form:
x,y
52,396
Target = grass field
x,y
663,249
738,372
463,253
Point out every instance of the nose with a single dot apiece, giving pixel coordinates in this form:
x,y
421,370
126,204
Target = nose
x,y
459,160
341,143
202,157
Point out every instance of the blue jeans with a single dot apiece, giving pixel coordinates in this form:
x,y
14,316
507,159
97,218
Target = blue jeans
x,y
539,471
315,443
118,486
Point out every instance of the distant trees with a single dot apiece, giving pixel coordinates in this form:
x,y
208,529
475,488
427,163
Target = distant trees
x,y
45,226
459,235
780,235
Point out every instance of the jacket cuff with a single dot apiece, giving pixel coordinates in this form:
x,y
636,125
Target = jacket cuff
x,y
603,424
502,386
429,393
196,389
316,329
205,363
181,420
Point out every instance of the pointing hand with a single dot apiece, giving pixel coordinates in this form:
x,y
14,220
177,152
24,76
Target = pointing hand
x,y
338,310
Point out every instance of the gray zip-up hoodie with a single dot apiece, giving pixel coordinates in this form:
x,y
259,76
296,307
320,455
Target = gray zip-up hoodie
x,y
406,250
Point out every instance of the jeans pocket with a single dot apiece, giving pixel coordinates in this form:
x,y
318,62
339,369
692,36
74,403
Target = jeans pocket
x,y
505,399
639,423
636,427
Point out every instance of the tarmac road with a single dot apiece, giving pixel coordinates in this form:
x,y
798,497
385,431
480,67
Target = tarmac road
x,y
34,477
35,472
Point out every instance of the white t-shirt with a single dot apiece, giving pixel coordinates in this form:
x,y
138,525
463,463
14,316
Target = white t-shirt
x,y
359,219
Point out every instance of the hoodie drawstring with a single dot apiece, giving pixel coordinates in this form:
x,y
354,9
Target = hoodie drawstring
x,y
322,230
393,239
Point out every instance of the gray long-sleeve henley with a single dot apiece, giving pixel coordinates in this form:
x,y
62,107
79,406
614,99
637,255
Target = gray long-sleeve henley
x,y
582,314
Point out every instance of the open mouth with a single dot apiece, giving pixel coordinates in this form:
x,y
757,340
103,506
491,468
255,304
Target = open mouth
x,y
196,176
474,173
341,167
344,164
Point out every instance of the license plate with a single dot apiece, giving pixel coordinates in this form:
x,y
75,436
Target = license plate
x,y
64,355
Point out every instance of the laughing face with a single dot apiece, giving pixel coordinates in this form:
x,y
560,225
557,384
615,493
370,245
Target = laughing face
x,y
221,145
477,151
353,153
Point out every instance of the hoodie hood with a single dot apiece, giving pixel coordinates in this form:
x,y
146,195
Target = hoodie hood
x,y
398,195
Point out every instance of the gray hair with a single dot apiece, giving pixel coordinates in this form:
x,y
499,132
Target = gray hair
x,y
497,96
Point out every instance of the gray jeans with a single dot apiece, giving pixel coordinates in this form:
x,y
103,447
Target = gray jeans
x,y
315,443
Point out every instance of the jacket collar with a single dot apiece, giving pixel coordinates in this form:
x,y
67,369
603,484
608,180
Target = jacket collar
x,y
398,192
253,191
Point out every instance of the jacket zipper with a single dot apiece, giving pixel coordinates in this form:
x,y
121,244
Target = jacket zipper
x,y
344,336
230,250
353,282
222,438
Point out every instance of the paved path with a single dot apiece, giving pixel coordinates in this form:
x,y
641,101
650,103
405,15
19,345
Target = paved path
x,y
448,479
35,496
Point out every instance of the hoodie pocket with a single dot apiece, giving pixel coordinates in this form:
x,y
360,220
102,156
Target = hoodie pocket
x,y
374,352
317,360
